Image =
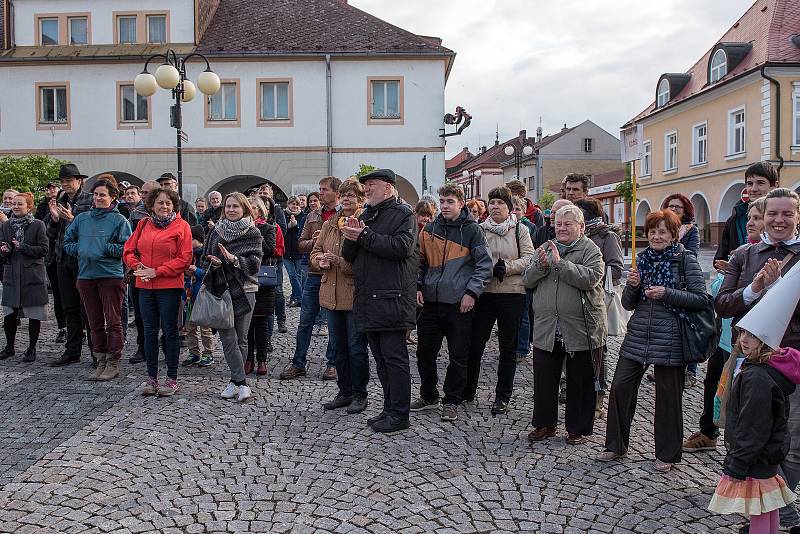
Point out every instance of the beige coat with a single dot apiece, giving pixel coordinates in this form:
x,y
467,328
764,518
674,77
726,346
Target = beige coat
x,y
516,259
337,289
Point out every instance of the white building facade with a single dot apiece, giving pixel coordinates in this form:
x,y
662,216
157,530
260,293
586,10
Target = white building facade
x,y
289,112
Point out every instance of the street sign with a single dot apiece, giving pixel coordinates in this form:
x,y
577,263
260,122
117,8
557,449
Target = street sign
x,y
630,143
184,136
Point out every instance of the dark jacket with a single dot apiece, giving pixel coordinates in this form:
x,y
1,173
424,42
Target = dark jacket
x,y
213,215
187,213
543,233
248,249
755,422
744,266
385,267
691,240
454,259
654,335
609,244
56,230
265,296
97,238
735,233
24,278
291,238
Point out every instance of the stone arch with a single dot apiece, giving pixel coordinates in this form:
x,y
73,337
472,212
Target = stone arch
x,y
406,190
642,209
733,194
702,215
243,182
121,176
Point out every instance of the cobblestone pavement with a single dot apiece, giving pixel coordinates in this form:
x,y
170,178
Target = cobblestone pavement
x,y
77,457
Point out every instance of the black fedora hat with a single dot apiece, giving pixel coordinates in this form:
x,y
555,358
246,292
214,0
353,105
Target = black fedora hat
x,y
70,170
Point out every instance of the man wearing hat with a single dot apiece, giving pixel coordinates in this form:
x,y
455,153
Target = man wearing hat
x,y
71,202
168,181
381,245
51,191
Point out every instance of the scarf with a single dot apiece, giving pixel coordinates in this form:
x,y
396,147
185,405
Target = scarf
x,y
19,224
162,222
260,221
562,248
500,229
684,229
230,230
591,223
655,269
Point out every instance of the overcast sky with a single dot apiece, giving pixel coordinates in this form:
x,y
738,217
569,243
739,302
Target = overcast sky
x,y
563,60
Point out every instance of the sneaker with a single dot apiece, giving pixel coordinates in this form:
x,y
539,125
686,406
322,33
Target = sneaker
x,y
699,442
61,338
609,456
449,412
390,424
662,467
191,359
245,394
282,327
168,388
206,360
231,391
422,404
499,407
150,387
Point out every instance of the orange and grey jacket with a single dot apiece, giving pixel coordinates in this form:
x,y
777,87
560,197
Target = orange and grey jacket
x,y
454,259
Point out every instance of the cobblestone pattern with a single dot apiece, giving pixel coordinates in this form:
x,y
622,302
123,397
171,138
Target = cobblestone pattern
x,y
82,457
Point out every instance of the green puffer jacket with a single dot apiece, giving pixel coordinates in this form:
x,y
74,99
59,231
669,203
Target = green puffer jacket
x,y
557,298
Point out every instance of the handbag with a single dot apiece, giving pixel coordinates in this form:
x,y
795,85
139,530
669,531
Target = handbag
x,y
211,311
701,337
268,276
617,316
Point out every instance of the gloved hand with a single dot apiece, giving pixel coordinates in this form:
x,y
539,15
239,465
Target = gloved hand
x,y
499,270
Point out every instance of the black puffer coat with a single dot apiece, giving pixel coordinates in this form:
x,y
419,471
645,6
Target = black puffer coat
x,y
385,268
654,335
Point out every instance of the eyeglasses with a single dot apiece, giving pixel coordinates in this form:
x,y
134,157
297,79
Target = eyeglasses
x,y
348,195
676,207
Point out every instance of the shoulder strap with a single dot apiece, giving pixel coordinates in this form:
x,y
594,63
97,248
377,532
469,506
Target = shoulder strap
x,y
681,272
786,260
516,235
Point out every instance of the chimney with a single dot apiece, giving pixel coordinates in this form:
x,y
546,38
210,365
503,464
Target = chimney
x,y
539,134
496,142
483,149
465,150
565,127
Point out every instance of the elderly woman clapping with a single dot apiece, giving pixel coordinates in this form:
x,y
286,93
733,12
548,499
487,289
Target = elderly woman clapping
x,y
570,316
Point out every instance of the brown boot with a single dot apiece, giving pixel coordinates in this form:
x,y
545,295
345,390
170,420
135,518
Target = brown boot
x,y
292,372
102,360
111,370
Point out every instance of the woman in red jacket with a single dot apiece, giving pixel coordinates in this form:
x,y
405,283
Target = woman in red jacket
x,y
159,252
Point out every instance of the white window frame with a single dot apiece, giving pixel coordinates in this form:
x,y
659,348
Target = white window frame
x,y
147,27
122,118
135,29
223,90
647,158
796,114
385,115
55,88
69,31
733,128
42,20
662,96
262,86
588,144
700,143
668,147
718,71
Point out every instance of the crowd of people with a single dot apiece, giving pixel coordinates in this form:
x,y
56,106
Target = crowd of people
x,y
379,276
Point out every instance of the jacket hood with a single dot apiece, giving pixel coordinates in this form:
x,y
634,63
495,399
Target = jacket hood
x,y
787,361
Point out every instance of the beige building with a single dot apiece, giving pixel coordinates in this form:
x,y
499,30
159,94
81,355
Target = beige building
x,y
739,104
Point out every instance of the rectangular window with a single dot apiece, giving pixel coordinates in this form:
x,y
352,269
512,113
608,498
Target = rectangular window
x,y
222,106
587,144
385,99
48,31
274,101
53,105
127,29
699,143
736,132
796,114
133,106
156,29
78,30
647,159
671,151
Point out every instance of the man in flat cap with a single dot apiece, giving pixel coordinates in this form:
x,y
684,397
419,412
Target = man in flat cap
x,y
381,245
168,181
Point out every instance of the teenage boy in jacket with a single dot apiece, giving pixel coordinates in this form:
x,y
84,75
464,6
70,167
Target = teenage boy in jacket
x,y
455,265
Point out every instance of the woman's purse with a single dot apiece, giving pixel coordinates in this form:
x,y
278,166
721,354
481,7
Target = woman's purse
x,y
701,337
268,275
211,311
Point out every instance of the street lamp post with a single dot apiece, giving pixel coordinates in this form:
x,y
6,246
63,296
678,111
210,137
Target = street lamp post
x,y
471,175
510,150
172,75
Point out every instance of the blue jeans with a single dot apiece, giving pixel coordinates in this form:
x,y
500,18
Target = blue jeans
x,y
159,308
293,272
352,361
309,310
280,300
524,335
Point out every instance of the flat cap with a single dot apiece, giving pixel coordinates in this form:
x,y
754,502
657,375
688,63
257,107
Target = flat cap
x,y
387,175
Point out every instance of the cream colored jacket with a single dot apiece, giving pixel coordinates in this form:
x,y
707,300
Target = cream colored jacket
x,y
516,259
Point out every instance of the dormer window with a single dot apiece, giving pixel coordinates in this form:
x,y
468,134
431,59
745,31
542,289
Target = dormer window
x,y
663,93
719,66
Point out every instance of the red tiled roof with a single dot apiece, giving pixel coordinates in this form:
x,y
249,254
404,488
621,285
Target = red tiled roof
x,y
768,25
606,178
458,159
312,26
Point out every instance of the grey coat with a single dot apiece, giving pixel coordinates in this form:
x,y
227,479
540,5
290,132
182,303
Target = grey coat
x,y
24,278
654,335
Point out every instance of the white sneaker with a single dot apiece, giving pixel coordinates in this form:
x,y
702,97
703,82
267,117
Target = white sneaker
x,y
231,391
245,393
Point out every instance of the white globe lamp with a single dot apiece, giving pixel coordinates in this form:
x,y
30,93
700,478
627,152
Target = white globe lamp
x,y
145,84
189,91
167,76
208,82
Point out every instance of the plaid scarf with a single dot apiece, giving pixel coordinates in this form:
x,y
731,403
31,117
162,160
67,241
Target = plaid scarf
x,y
19,224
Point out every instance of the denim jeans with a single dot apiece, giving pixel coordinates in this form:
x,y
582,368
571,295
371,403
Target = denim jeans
x,y
159,308
293,272
352,361
309,309
524,336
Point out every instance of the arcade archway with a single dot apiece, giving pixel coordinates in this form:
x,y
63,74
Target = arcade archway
x,y
732,196
702,215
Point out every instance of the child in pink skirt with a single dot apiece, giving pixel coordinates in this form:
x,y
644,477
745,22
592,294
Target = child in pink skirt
x,y
756,435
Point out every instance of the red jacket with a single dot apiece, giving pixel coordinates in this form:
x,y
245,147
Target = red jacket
x,y
168,250
279,247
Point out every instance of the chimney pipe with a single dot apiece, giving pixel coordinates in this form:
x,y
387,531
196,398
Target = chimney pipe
x,y
565,127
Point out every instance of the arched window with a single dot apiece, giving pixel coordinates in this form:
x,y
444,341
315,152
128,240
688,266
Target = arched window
x,y
719,66
663,93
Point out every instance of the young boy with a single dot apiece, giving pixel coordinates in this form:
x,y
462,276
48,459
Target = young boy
x,y
200,339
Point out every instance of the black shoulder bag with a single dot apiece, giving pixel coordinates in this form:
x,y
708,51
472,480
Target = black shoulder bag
x,y
700,339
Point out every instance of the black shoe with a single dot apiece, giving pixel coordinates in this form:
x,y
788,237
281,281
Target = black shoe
x,y
61,338
793,530
339,401
269,347
499,407
282,327
138,357
391,424
358,405
374,419
30,355
66,359
7,352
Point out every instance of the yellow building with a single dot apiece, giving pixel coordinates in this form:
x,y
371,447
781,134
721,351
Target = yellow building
x,y
739,104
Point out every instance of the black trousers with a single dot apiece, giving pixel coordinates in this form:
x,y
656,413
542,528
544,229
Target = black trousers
x,y
10,329
713,373
137,317
581,394
391,362
440,321
52,276
257,339
506,309
71,304
669,408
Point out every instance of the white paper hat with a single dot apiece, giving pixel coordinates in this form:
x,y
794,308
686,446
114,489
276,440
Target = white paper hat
x,y
770,317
